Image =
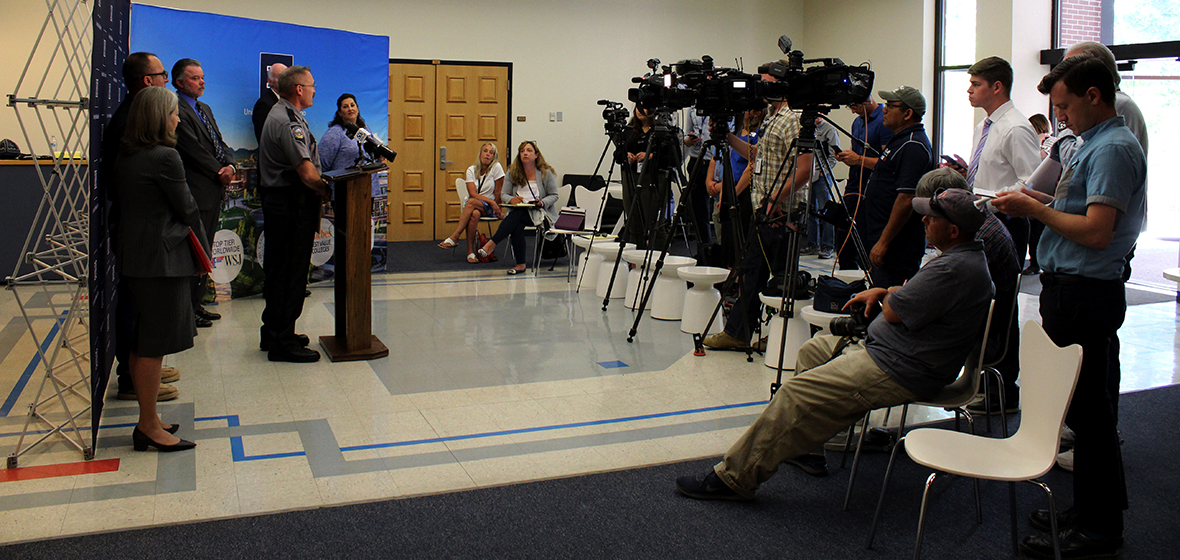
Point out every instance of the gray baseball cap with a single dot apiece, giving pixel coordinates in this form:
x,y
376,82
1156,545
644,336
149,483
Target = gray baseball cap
x,y
956,205
908,95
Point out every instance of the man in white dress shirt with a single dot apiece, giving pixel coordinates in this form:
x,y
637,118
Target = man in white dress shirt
x,y
1005,151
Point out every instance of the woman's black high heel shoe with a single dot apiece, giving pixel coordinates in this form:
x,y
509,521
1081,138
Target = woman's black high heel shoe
x,y
175,428
141,442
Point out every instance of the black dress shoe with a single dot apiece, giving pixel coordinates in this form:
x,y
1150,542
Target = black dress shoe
x,y
141,442
297,355
175,428
1065,519
1075,545
202,312
306,293
301,339
202,323
1031,270
707,487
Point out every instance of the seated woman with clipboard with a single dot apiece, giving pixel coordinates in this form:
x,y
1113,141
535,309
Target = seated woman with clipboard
x,y
531,196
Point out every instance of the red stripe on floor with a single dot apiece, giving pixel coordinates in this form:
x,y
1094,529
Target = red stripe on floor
x,y
64,469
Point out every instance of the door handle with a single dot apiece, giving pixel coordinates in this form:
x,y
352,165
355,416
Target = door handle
x,y
442,158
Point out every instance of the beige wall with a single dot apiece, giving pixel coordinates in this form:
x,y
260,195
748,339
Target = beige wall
x,y
569,54
1016,30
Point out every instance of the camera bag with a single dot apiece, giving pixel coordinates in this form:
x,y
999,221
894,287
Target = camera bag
x,y
832,293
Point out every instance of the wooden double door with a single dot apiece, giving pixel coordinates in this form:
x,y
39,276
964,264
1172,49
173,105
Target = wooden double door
x,y
439,116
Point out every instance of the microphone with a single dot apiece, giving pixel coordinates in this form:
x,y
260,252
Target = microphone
x,y
370,142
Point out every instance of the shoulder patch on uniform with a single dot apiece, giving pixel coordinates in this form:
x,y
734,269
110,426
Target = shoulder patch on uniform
x,y
297,131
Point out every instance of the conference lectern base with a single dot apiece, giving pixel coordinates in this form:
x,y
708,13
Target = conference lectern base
x,y
337,352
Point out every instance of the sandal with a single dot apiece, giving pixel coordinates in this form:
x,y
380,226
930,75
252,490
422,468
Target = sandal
x,y
447,243
471,258
482,253
514,272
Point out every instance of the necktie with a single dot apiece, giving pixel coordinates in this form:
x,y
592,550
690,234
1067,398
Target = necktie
x,y
974,167
218,152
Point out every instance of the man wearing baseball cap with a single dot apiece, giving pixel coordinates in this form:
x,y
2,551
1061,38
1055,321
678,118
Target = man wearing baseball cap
x,y
886,222
916,346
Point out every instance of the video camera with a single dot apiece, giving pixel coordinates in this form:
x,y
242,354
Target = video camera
x,y
827,84
855,325
615,115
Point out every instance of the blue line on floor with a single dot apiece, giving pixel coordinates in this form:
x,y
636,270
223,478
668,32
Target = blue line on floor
x,y
505,279
28,373
551,428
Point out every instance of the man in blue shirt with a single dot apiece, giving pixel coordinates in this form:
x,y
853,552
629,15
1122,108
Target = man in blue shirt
x,y
870,128
1091,224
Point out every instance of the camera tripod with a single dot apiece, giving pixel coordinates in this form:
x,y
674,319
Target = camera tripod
x,y
793,224
615,136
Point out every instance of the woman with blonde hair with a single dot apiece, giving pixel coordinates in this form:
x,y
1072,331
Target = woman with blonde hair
x,y
155,259
532,186
485,184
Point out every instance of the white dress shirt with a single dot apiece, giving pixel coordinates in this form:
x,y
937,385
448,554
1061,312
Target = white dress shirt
x,y
1011,151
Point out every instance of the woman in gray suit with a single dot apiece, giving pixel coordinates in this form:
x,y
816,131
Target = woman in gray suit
x,y
155,260
530,182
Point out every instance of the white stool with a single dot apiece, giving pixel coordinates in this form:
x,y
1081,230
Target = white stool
x,y
667,298
587,264
819,319
702,298
637,258
798,331
608,251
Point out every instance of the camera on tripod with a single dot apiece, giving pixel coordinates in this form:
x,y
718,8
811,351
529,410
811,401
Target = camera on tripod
x,y
855,325
827,84
615,115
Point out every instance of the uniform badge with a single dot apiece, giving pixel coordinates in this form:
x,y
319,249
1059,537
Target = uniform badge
x,y
297,131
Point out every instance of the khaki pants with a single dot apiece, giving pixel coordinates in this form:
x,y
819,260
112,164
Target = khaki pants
x,y
808,410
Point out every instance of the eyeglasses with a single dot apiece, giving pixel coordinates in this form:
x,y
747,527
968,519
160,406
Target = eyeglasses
x,y
311,85
895,105
164,74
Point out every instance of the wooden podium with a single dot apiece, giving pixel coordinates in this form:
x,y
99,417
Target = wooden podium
x,y
354,339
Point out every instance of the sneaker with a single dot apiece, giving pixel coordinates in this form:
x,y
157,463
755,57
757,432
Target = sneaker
x,y
878,440
826,253
1065,460
1075,544
1065,519
760,346
990,406
724,341
1066,438
814,465
707,487
167,393
809,249
169,374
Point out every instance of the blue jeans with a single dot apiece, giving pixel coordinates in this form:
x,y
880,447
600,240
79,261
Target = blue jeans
x,y
820,233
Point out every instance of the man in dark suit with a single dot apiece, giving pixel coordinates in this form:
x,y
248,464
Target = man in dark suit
x,y
141,70
208,164
268,100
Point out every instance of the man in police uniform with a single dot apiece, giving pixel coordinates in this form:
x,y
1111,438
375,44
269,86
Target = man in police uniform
x,y
292,189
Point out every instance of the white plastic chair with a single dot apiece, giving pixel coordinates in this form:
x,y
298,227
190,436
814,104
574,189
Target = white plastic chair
x,y
952,397
1048,376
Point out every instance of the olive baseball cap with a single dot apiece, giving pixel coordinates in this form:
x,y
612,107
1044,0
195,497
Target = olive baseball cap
x,y
908,95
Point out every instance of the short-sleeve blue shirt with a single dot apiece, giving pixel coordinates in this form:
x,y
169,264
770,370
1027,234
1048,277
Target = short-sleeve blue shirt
x,y
1109,168
878,135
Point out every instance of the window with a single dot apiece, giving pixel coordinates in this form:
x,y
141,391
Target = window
x,y
1137,31
953,118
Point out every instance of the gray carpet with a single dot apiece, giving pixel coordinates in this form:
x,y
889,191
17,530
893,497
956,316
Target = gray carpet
x,y
638,514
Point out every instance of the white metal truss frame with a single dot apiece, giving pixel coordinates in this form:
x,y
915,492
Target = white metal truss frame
x,y
54,261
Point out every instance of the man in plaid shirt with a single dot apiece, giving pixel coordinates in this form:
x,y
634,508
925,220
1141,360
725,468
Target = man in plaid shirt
x,y
770,174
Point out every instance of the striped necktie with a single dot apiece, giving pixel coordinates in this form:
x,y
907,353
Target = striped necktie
x,y
218,152
974,167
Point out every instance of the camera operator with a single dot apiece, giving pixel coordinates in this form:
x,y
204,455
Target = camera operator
x,y
780,187
886,222
914,348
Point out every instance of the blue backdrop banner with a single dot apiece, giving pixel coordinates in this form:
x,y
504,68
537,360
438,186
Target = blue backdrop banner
x,y
234,53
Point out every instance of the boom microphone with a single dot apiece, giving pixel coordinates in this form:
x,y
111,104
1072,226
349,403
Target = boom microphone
x,y
370,142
